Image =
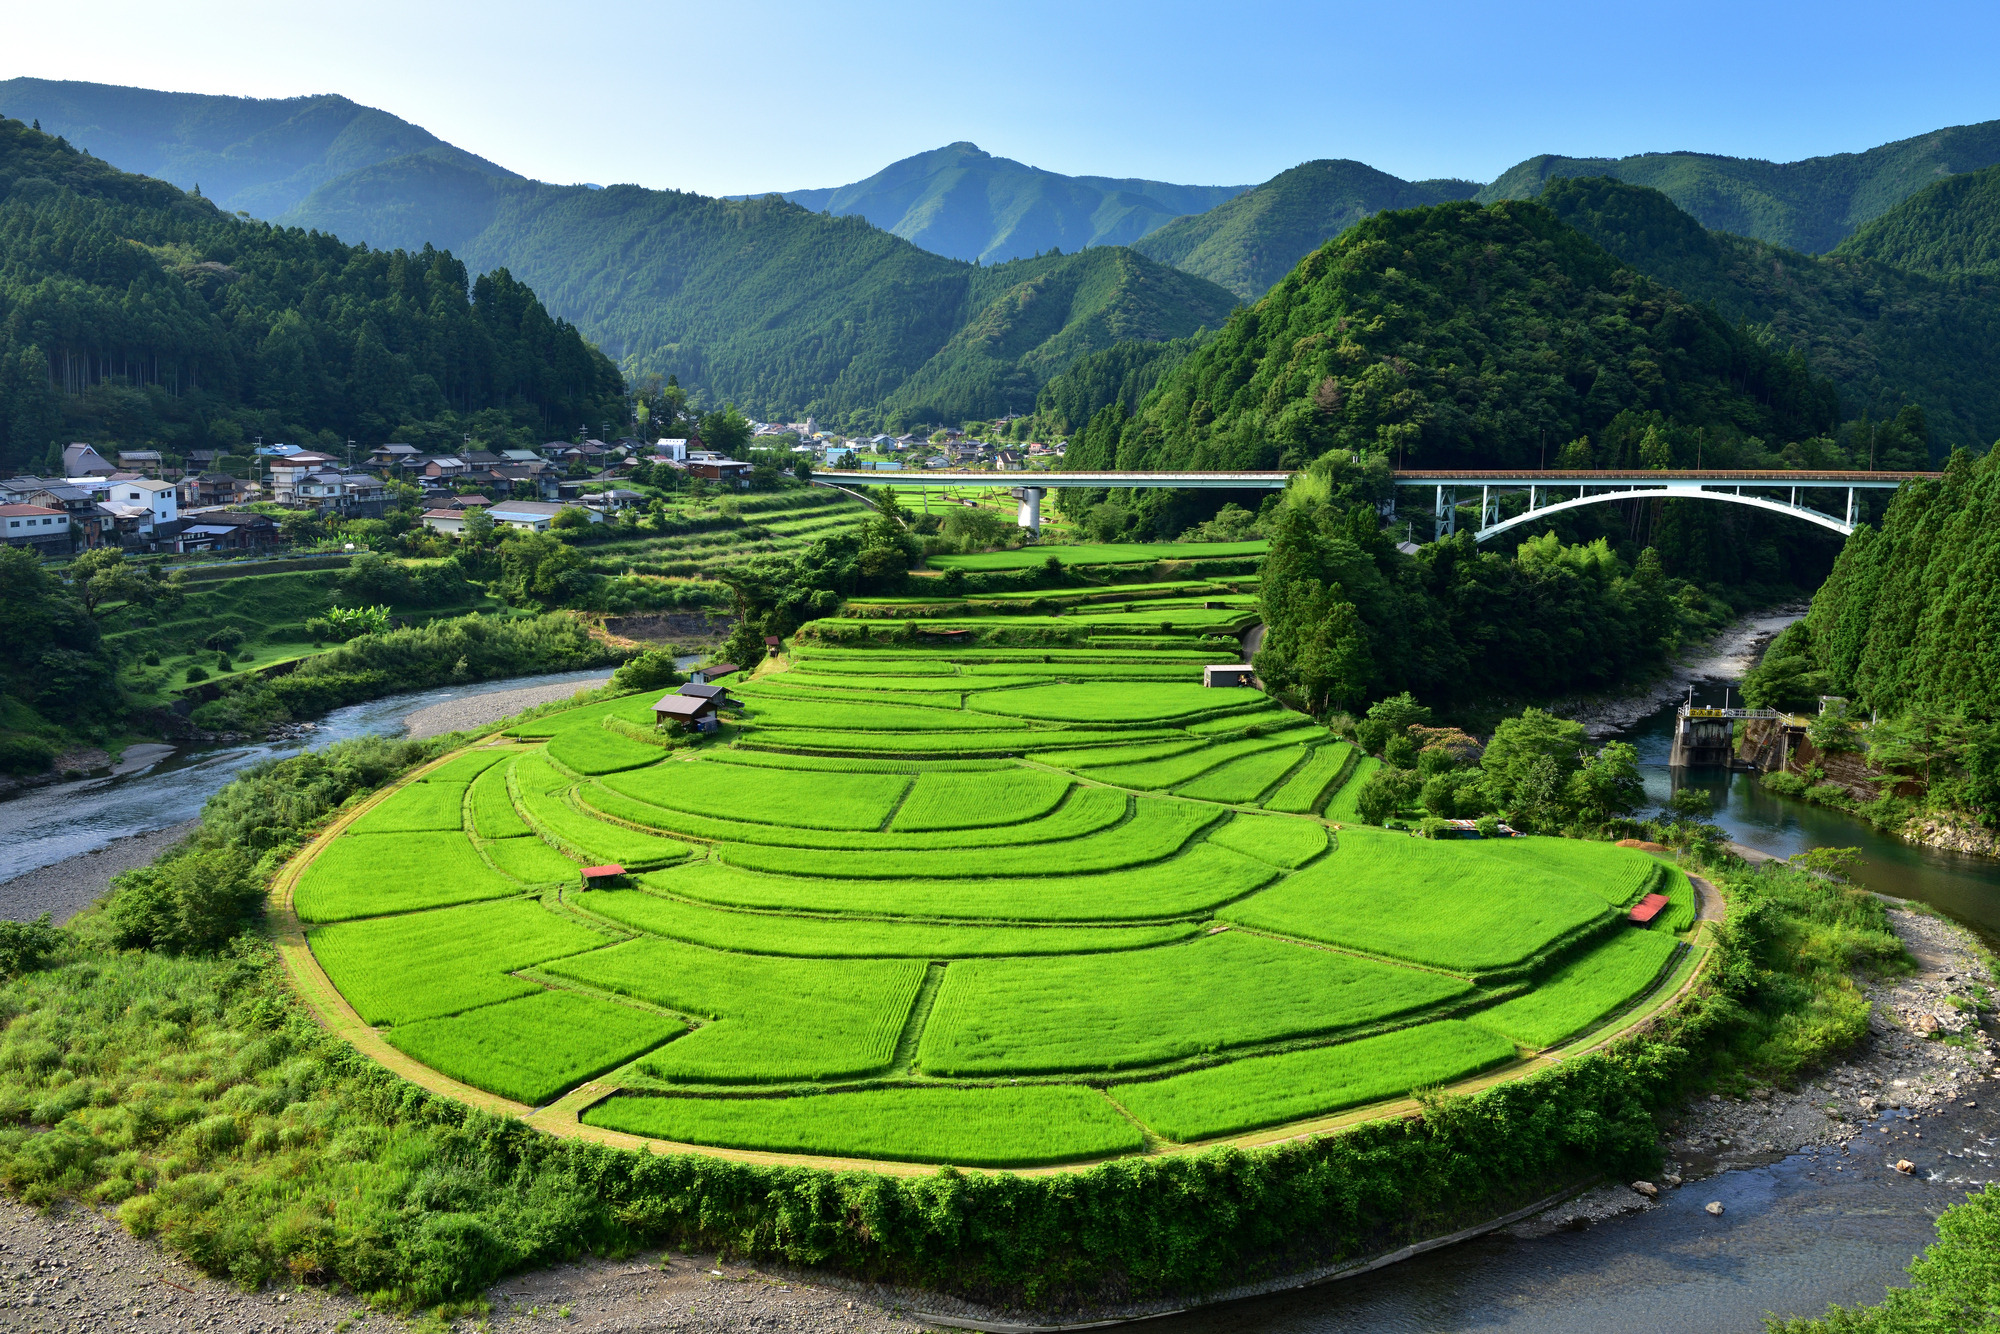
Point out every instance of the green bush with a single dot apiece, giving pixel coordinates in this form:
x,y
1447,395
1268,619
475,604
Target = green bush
x,y
26,755
195,674
651,670
195,901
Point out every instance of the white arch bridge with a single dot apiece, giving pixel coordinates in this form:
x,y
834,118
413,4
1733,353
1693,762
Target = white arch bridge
x,y
1549,491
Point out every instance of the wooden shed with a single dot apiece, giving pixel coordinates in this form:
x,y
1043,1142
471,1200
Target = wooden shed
x,y
1227,674
1646,909
595,875
690,711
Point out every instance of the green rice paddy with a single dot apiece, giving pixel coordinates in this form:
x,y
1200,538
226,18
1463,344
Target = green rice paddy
x,y
923,902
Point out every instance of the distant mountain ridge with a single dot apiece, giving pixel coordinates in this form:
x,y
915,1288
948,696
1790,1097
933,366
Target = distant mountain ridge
x,y
782,310
1811,205
260,155
1249,242
1946,228
963,202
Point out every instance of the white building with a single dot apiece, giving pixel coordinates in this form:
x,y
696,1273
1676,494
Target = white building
x,y
161,500
533,515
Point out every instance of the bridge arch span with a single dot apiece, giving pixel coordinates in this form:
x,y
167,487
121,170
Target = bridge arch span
x,y
1665,493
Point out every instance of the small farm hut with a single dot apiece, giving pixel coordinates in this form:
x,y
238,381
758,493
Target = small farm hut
x,y
701,676
720,694
595,875
1227,674
1646,909
692,713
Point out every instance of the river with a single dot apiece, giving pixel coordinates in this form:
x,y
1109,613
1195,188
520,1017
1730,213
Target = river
x,y
46,825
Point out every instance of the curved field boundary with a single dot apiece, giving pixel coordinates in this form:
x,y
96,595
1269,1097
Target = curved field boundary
x,y
564,1115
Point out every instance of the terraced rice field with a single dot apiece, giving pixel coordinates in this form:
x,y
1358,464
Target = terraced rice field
x,y
995,903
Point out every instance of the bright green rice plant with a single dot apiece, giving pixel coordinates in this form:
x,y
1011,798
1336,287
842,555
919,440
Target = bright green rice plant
x,y
533,1048
1117,1011
414,808
366,875
974,1127
1583,991
773,1019
1431,902
1271,1090
421,965
861,937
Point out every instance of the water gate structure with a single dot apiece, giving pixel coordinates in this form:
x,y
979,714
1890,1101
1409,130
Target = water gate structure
x,y
1548,491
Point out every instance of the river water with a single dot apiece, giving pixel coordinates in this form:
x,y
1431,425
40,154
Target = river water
x,y
46,825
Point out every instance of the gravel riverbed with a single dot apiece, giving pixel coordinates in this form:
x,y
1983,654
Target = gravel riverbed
x,y
455,715
67,887
1725,656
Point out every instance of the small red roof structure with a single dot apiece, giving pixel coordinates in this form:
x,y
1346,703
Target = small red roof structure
x,y
771,641
1646,909
604,872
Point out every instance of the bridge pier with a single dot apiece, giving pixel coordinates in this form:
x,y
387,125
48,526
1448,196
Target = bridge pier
x,y
1029,516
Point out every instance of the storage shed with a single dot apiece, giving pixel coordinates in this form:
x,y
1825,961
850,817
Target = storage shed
x,y
701,676
720,694
1646,909
1227,674
594,875
690,711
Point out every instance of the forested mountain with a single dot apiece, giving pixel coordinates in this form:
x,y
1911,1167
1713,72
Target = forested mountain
x,y
260,155
1911,615
776,308
1254,239
963,202
1885,336
133,312
1121,374
1807,205
1950,227
1496,335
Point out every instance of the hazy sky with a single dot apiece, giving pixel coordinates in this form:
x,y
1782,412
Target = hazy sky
x,y
737,97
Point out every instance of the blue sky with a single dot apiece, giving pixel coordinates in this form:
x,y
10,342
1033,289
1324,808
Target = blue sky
x,y
773,94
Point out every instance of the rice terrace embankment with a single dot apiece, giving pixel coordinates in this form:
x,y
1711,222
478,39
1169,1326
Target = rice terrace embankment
x,y
939,894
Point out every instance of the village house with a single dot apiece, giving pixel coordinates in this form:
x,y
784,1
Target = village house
x,y
389,456
83,461
226,530
533,515
39,527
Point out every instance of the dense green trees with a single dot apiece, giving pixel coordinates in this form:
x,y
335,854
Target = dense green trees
x,y
1951,226
1465,334
1350,618
1887,337
1908,627
779,310
133,313
1254,239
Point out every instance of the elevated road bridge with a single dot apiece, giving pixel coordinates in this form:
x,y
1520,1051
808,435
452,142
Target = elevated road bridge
x,y
1549,491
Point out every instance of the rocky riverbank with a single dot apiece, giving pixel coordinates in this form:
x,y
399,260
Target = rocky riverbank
x,y
1725,656
456,715
1926,1048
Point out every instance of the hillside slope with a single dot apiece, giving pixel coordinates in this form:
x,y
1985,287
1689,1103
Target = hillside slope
x,y
963,202
1461,333
1808,205
132,312
764,303
1884,335
1950,227
1255,238
260,155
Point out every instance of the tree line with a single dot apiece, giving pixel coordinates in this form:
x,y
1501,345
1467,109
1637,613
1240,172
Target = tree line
x,y
135,313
